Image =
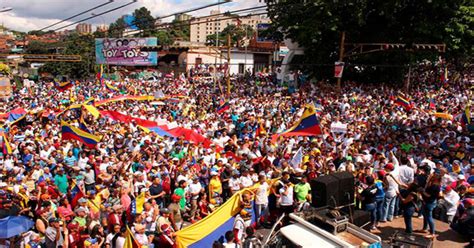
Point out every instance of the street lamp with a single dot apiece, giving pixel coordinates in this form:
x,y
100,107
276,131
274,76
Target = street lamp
x,y
5,9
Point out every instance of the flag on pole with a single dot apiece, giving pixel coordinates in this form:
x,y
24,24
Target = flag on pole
x,y
308,125
404,102
130,241
297,159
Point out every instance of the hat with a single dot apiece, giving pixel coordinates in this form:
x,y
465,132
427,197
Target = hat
x,y
165,210
381,173
213,173
389,166
82,200
448,188
52,220
72,225
80,209
461,177
117,207
3,184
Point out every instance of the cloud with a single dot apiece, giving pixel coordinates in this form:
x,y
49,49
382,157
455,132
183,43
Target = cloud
x,y
35,14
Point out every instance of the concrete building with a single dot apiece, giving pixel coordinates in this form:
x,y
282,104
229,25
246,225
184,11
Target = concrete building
x,y
201,27
102,28
182,17
84,28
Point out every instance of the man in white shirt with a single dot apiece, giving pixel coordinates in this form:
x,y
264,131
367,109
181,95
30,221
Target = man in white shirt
x,y
451,200
286,199
194,189
406,174
246,179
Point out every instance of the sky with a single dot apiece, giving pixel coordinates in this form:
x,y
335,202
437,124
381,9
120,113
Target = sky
x,y
30,15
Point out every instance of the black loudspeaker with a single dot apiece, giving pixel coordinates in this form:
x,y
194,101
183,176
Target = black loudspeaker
x,y
345,193
405,240
324,191
360,218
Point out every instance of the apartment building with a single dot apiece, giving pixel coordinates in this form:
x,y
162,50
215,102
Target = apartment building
x,y
201,27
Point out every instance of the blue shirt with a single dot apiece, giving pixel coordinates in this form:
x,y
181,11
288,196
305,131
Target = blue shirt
x,y
70,160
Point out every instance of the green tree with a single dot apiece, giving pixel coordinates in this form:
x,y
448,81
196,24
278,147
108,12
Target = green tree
x,y
237,35
83,45
144,21
317,26
117,28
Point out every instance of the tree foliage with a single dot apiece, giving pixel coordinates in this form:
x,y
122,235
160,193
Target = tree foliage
x,y
144,21
316,25
117,28
77,44
237,35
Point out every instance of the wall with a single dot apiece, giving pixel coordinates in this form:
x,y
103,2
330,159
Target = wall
x,y
238,58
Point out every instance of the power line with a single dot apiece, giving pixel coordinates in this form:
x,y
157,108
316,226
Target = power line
x,y
83,12
94,16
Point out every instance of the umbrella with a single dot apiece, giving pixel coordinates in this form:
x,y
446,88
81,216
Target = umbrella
x,y
14,225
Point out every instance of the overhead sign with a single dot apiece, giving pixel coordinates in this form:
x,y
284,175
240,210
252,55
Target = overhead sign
x,y
125,51
338,69
5,87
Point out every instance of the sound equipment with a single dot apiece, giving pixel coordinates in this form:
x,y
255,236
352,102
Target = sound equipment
x,y
328,219
345,192
360,218
324,191
405,240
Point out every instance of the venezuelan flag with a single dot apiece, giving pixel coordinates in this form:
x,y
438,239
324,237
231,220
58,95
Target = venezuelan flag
x,y
405,103
124,98
16,115
223,106
130,241
110,87
100,75
72,133
308,125
260,130
7,149
215,225
441,115
62,86
76,194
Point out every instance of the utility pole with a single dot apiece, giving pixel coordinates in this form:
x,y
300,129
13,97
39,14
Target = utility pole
x,y
341,57
228,64
408,79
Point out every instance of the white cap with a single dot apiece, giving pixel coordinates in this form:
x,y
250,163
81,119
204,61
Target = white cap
x,y
461,177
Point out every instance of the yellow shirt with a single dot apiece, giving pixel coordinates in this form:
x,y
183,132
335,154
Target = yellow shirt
x,y
215,186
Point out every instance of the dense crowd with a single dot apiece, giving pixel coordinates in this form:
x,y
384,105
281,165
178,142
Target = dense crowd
x,y
406,161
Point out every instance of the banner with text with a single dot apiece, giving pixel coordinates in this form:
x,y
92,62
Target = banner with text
x,y
125,51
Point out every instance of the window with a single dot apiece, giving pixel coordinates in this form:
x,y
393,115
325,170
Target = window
x,y
241,68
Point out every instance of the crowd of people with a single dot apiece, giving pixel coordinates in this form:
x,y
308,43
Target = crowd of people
x,y
406,161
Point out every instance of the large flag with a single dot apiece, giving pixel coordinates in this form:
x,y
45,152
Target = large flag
x,y
73,133
405,103
62,86
6,147
130,241
297,158
16,115
308,125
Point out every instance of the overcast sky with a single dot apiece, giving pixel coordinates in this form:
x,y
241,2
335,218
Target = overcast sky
x,y
35,14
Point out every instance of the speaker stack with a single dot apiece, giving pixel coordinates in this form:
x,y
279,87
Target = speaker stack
x,y
333,190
